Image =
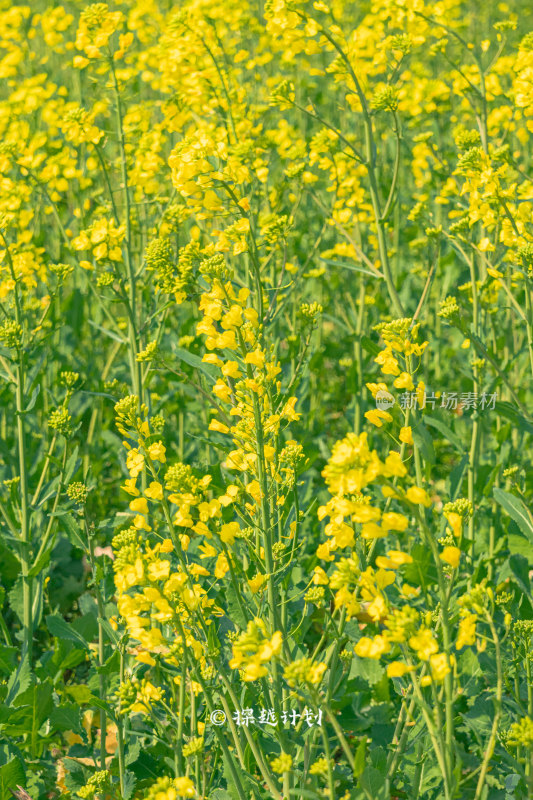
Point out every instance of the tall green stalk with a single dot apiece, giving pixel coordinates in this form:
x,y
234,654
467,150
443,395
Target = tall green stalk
x,y
101,646
135,366
25,533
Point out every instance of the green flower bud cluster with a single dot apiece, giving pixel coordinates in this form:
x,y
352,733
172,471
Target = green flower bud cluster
x,y
521,734
460,226
276,230
11,334
126,548
448,308
215,267
470,161
60,421
385,99
127,413
180,478
310,311
61,270
461,506
97,783
149,352
68,378
320,767
314,595
193,746
77,492
467,139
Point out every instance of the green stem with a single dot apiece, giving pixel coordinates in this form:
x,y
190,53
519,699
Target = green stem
x,y
27,583
370,163
529,686
358,354
96,410
489,750
432,732
218,733
473,454
340,736
446,634
101,647
5,630
120,733
45,469
52,515
529,325
25,533
395,174
265,772
181,711
401,738
135,366
329,760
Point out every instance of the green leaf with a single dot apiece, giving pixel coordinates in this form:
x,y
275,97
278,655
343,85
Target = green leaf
x,y
367,668
424,442
8,658
19,681
213,642
86,626
66,717
133,751
511,782
11,776
245,782
353,267
517,568
15,721
195,362
456,477
235,611
111,665
370,346
519,545
111,634
62,630
447,432
508,411
71,466
360,758
422,570
80,694
479,717
16,600
107,332
33,398
76,776
130,781
39,698
42,561
73,531
373,784
517,510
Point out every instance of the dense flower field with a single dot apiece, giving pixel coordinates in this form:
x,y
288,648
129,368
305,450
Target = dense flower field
x,y
266,400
